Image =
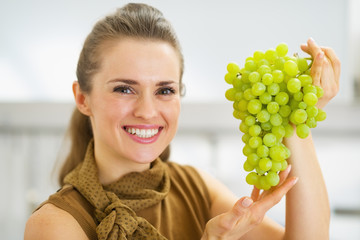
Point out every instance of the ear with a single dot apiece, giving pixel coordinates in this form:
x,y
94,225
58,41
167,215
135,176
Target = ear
x,y
81,99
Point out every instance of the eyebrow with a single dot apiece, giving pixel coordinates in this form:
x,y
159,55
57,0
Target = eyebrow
x,y
133,82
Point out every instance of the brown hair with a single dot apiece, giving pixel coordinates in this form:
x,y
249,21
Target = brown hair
x,y
138,21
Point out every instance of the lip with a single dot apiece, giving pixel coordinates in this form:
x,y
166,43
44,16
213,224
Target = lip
x,y
143,140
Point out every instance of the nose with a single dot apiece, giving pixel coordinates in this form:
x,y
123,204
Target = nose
x,y
145,107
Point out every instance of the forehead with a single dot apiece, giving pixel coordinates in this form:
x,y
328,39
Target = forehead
x,y
137,59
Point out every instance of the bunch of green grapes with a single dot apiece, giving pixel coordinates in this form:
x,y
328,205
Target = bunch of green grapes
x,y
273,94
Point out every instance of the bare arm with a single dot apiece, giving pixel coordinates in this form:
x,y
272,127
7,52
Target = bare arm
x,y
307,204
52,223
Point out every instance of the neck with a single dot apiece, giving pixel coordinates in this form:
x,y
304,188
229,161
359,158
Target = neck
x,y
112,168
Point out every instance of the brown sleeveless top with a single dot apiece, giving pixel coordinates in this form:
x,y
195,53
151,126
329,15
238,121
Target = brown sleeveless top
x,y
182,214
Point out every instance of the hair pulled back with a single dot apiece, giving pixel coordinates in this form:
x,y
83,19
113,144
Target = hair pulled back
x,y
139,21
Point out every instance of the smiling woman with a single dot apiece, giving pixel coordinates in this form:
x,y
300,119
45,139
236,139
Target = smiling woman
x,y
117,182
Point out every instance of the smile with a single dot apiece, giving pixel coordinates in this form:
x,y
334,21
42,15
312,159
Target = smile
x,y
141,132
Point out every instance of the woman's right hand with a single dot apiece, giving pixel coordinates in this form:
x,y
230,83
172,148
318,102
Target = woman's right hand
x,y
247,212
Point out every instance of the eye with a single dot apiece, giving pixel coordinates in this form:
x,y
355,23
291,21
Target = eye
x,y
166,91
123,89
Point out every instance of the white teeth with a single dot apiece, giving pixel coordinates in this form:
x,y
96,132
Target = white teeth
x,y
143,133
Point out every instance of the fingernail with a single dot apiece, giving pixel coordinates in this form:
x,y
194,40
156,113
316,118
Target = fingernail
x,y
311,39
246,202
295,180
321,54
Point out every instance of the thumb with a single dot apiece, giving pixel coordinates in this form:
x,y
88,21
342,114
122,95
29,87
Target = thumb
x,y
236,212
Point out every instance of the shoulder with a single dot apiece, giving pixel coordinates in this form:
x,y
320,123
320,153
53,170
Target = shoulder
x,y
51,222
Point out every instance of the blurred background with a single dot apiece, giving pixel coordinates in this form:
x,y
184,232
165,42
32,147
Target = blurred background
x,y
39,47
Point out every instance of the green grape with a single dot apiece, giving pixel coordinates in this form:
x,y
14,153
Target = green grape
x,y
276,119
242,105
271,55
278,76
247,150
312,111
252,178
321,116
311,122
267,79
284,165
269,139
230,94
273,107
250,120
266,126
277,153
264,183
282,98
276,166
289,130
263,62
238,84
309,89
264,69
239,96
255,142
310,99
229,78
319,91
233,68
262,151
254,106
300,116
243,127
263,116
302,64
302,105
243,115
302,130
258,55
258,89
248,167
273,89
291,68
236,114
254,77
279,63
278,131
294,104
253,159
248,94
305,79
298,96
245,138
254,130
259,171
250,65
282,49
272,178
294,85
265,164
265,98
269,92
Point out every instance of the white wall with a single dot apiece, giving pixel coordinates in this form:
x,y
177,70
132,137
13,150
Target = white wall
x,y
41,40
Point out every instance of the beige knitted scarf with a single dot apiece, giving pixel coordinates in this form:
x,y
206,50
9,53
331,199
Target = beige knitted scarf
x,y
116,203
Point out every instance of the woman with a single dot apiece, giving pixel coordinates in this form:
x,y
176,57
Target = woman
x,y
115,185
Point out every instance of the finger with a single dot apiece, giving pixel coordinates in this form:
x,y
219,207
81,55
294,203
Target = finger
x,y
255,194
316,68
284,174
229,219
335,62
274,197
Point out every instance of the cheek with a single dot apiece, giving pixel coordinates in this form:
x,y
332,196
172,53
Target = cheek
x,y
172,112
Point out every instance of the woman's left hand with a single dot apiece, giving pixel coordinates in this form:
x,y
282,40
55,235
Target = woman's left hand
x,y
325,70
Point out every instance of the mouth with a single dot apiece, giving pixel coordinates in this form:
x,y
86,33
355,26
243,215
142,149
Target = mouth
x,y
145,133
